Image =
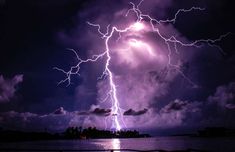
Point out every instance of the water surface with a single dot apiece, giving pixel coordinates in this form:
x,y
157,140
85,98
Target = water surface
x,y
159,143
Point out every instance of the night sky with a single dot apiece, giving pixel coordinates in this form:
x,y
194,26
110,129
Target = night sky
x,y
35,37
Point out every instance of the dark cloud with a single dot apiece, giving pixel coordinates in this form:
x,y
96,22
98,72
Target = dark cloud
x,y
175,105
83,113
132,112
230,106
96,112
101,112
59,111
8,87
159,76
224,96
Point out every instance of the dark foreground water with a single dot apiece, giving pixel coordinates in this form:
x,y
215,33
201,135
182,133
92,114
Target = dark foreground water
x,y
160,143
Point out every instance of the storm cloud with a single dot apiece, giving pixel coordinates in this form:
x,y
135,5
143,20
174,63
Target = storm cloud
x,y
224,96
132,112
101,112
176,105
158,86
59,111
8,87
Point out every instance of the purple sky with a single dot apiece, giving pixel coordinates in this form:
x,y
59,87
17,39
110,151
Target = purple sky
x,y
153,95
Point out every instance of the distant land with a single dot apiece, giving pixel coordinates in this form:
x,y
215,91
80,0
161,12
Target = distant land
x,y
211,132
69,133
94,133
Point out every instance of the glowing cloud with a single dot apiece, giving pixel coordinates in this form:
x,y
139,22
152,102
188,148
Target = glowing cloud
x,y
138,26
135,50
141,46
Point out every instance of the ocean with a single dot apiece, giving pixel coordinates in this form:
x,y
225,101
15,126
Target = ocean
x,y
155,143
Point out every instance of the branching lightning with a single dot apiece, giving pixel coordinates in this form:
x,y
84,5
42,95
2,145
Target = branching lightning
x,y
117,117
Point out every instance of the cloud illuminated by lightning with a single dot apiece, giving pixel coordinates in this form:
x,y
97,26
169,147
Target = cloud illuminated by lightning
x,y
136,26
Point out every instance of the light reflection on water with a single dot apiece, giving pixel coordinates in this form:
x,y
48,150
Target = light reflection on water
x,y
109,143
115,144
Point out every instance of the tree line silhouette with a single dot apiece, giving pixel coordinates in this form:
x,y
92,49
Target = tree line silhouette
x,y
93,132
69,133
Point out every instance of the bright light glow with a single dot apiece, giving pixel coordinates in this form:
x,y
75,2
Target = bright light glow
x,y
142,46
115,144
135,45
138,26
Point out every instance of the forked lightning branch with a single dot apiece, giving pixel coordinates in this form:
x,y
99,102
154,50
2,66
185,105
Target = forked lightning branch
x,y
139,24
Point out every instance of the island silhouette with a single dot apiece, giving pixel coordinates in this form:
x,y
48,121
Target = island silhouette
x,y
69,133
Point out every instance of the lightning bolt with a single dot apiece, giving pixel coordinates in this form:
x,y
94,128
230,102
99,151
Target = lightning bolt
x,y
117,118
